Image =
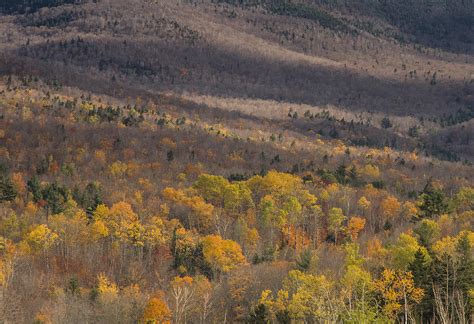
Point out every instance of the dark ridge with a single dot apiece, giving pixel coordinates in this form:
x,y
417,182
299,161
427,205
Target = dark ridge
x,y
26,6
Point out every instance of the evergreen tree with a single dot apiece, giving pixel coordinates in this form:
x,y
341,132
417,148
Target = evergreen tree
x,y
7,191
258,315
170,156
55,197
341,174
432,202
90,197
421,271
35,188
386,123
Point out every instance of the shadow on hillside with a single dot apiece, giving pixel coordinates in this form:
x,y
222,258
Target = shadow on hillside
x,y
209,70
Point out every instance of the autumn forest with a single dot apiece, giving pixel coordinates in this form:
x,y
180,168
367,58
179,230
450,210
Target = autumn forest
x,y
224,161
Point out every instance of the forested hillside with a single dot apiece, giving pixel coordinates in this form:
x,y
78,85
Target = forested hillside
x,y
23,6
236,161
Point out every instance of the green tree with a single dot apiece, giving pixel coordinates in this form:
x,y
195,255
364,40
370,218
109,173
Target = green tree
x,y
306,260
90,198
420,267
259,315
431,202
55,196
404,250
427,231
335,219
34,187
464,199
7,190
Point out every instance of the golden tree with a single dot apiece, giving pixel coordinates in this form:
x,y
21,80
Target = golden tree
x,y
222,255
354,226
156,311
398,292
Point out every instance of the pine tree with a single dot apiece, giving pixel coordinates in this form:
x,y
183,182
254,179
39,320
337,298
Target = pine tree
x,y
258,315
35,188
432,202
421,271
7,191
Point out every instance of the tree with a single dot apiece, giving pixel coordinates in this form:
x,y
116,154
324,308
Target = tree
x,y
427,231
200,214
409,210
452,277
390,207
354,226
182,290
397,292
404,250
222,255
204,300
270,216
41,238
431,202
259,315
18,183
8,259
386,123
356,287
237,198
35,188
170,156
156,311
107,289
73,233
90,198
7,190
118,219
306,260
335,219
55,196
422,277
464,199
304,297
212,188
465,276
371,171
279,185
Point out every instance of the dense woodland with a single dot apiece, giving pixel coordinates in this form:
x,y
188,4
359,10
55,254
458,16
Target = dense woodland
x,y
236,162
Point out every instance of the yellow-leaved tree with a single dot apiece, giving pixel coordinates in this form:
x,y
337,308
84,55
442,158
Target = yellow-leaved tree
x,y
354,226
157,311
398,292
41,238
107,289
222,255
304,297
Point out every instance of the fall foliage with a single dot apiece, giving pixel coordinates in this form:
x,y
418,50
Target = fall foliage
x,y
202,161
